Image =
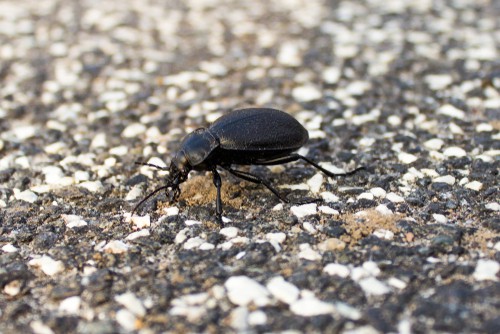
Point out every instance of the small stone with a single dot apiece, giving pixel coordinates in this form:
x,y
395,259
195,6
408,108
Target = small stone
x,y
191,222
384,210
438,81
213,68
493,206
9,248
134,130
484,127
328,211
70,305
448,179
278,237
92,186
474,185
99,140
374,287
440,218
139,234
307,253
378,192
306,93
48,265
242,290
434,144
278,207
229,232
368,196
55,148
282,290
27,196
171,211
337,269
304,210
12,288
141,222
331,75
81,176
332,244
194,243
397,283
406,158
384,234
486,270
315,183
126,320
131,303
116,247
257,318
329,197
311,306
455,152
451,111
39,327
394,198
289,54
73,221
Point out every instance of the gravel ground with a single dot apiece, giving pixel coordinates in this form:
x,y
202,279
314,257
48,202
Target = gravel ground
x,y
409,89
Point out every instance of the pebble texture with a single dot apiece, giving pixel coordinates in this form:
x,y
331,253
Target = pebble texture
x,y
409,89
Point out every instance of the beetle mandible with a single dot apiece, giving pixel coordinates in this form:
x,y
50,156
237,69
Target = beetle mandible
x,y
253,136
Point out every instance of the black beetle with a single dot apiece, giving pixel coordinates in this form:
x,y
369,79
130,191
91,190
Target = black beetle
x,y
253,136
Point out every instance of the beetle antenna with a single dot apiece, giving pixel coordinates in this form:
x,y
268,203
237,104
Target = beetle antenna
x,y
150,165
148,196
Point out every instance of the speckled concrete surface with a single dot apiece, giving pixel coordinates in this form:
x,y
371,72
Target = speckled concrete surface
x,y
409,89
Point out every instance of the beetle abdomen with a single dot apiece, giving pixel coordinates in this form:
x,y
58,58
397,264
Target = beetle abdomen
x,y
259,129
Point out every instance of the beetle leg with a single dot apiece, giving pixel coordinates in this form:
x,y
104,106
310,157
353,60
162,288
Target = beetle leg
x,y
295,157
255,179
218,201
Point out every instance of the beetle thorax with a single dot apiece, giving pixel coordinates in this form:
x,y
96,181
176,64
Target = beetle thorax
x,y
197,146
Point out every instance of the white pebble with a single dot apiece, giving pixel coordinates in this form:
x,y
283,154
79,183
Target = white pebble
x,y
126,320
440,218
331,75
213,68
242,290
21,133
70,305
81,176
394,198
448,179
139,234
329,197
484,127
397,283
39,327
171,211
406,158
194,243
474,185
12,288
383,234
141,221
327,210
451,111
278,237
278,207
229,232
289,54
55,148
282,290
191,222
48,265
434,144
455,152
73,221
378,192
134,130
367,195
304,210
373,287
116,247
131,303
92,186
486,270
315,183
257,318
307,253
384,210
493,206
9,248
206,246
134,193
311,306
27,196
337,269
455,129
99,140
119,150
308,227
306,93
438,81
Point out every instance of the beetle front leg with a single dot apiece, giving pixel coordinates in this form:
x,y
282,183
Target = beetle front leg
x,y
218,200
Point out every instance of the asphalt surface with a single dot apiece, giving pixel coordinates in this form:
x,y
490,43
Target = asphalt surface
x,y
408,89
